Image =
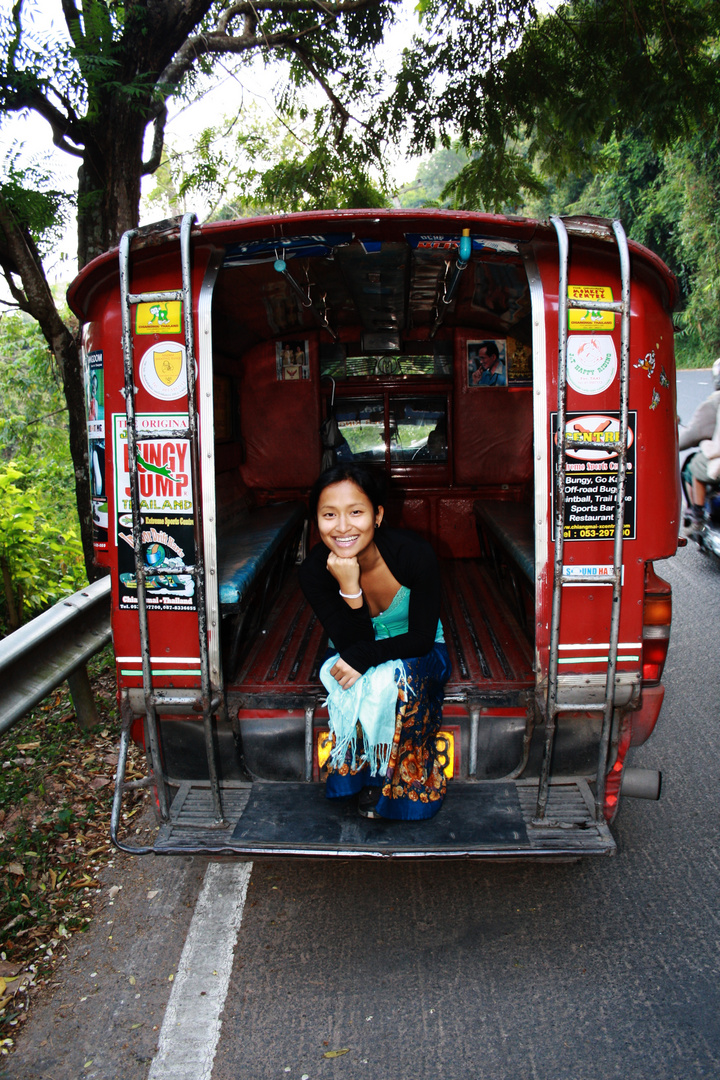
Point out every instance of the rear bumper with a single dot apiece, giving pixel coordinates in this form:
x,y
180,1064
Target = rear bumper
x,y
485,819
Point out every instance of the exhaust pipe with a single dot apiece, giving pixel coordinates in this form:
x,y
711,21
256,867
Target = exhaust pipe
x,y
641,783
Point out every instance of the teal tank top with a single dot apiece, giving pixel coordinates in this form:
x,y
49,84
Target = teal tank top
x,y
395,620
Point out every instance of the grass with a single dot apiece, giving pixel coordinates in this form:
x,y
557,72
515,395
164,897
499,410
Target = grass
x,y
56,788
691,352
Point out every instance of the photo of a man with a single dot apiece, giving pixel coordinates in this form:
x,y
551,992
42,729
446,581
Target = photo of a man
x,y
487,364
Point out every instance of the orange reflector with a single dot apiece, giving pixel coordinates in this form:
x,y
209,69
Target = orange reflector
x,y
657,611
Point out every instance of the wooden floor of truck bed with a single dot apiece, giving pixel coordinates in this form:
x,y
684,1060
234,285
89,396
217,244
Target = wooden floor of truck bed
x,y
490,653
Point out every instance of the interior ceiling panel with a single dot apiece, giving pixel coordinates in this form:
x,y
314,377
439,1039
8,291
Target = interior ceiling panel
x,y
368,289
377,281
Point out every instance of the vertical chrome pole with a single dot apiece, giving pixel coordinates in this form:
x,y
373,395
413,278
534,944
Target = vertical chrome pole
x,y
551,709
199,570
151,723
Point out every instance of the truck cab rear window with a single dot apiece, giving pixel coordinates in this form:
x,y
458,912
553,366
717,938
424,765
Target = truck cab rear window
x,y
411,429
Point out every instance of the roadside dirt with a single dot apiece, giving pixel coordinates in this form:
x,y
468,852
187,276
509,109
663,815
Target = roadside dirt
x,y
56,787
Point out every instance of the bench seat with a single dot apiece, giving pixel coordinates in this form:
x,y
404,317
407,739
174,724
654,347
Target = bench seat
x,y
249,546
511,525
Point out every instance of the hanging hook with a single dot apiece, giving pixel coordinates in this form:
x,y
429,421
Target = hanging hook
x,y
332,399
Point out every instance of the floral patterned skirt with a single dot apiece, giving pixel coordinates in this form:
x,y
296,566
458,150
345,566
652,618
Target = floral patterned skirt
x,y
414,784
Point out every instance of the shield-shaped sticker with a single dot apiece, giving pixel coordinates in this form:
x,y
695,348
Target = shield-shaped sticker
x,y
168,365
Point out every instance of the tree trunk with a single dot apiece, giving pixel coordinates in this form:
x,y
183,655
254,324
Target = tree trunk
x,y
67,354
109,182
38,302
13,621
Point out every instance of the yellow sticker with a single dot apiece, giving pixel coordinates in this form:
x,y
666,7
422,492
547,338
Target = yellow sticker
x,y
168,365
587,318
159,317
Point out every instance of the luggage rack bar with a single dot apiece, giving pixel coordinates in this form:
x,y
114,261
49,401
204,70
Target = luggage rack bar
x,y
203,702
552,705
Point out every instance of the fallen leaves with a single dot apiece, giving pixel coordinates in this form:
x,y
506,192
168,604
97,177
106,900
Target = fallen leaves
x,y
54,815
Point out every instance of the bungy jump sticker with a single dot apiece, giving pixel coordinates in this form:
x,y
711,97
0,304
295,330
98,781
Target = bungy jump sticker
x,y
591,362
163,371
164,556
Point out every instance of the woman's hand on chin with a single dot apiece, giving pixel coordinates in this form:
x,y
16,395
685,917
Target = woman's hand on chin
x,y
345,571
345,675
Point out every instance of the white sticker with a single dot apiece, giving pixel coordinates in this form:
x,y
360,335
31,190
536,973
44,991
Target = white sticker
x,y
590,573
163,371
591,362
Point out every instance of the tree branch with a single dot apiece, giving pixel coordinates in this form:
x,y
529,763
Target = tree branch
x,y
148,167
60,125
21,300
72,19
220,41
20,252
307,63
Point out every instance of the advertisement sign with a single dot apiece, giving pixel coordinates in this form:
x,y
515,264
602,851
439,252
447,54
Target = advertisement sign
x,y
591,363
159,317
591,475
95,411
163,372
166,505
590,319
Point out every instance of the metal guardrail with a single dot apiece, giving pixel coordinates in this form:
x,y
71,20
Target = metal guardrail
x,y
53,648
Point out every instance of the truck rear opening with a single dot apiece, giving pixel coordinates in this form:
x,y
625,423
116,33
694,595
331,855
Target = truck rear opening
x,y
515,382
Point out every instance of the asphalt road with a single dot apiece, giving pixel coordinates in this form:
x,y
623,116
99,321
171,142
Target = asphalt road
x,y
601,969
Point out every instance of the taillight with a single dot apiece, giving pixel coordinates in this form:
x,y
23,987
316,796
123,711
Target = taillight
x,y
657,616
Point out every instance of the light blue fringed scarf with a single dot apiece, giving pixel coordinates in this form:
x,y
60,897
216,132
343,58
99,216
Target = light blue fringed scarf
x,y
372,701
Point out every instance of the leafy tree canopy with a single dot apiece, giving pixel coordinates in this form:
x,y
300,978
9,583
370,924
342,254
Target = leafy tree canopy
x,y
566,82
106,75
101,75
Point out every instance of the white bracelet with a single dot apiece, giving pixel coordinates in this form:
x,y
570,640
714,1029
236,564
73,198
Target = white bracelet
x,y
350,596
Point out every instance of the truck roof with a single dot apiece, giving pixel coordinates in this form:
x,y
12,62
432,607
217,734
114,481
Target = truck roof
x,y
323,234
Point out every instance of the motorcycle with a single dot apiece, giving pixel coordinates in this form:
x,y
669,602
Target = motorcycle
x,y
707,536
703,426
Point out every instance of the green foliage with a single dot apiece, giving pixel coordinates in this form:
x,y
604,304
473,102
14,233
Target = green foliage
x,y
40,559
496,171
694,171
40,553
667,200
330,176
33,203
249,165
496,74
432,177
33,411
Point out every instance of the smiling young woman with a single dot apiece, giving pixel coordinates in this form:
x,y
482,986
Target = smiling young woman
x,y
376,591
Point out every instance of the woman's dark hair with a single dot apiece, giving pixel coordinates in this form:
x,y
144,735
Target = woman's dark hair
x,y
369,481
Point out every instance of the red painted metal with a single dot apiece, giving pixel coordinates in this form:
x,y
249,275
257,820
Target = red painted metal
x,y
495,442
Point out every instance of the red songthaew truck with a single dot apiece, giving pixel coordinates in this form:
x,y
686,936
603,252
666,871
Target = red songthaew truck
x,y
515,382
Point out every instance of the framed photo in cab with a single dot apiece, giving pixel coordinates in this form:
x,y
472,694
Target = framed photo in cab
x,y
292,360
487,362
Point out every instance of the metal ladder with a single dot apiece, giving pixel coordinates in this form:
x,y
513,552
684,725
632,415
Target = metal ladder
x,y
205,702
552,706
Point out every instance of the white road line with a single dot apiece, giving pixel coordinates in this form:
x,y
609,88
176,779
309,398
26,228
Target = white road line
x,y
191,1028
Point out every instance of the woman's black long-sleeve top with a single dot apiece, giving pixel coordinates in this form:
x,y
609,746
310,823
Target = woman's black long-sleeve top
x,y
412,561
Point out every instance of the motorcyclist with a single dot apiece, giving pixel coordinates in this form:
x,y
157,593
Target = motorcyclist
x,y
704,467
